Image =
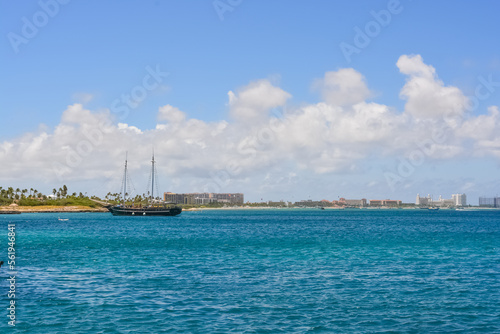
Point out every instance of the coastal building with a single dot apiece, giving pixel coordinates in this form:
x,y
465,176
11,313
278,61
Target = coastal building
x,y
173,198
490,202
340,202
355,202
444,202
455,200
385,202
203,198
460,199
423,200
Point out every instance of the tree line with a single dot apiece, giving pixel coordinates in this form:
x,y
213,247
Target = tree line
x,y
33,197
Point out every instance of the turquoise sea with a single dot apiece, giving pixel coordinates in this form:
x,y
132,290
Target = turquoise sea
x,y
255,271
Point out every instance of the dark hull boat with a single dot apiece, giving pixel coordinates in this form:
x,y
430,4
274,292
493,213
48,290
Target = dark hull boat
x,y
155,208
147,211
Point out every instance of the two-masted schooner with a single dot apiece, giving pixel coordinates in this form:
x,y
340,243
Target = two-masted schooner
x,y
154,208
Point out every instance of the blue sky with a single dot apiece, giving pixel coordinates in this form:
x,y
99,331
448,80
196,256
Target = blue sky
x,y
92,52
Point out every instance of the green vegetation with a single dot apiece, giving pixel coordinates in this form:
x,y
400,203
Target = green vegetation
x,y
60,197
213,205
138,200
33,197
5,201
67,201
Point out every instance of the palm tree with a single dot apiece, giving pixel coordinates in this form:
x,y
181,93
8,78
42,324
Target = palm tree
x,y
54,191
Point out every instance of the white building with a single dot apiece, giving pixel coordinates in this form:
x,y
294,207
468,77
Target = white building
x,y
456,200
423,200
460,199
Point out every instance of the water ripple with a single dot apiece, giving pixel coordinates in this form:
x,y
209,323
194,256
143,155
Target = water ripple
x,y
284,271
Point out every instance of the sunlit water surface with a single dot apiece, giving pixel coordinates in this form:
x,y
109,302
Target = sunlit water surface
x,y
256,271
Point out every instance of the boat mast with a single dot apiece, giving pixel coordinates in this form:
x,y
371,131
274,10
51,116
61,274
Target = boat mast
x,y
152,176
125,178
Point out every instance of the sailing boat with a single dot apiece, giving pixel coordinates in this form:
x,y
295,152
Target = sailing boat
x,y
155,208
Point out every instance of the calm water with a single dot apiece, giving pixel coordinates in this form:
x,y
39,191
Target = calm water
x,y
279,271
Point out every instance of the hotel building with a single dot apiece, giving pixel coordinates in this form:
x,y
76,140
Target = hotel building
x,y
203,198
385,202
491,202
456,200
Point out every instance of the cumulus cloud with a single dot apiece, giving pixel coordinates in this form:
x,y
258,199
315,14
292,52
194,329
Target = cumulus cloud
x,y
484,130
426,95
171,114
343,87
482,127
337,135
253,102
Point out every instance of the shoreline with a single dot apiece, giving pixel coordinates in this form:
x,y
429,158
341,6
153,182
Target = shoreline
x,y
82,209
340,208
50,209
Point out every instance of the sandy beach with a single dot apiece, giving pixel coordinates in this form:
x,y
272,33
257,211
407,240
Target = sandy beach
x,y
51,208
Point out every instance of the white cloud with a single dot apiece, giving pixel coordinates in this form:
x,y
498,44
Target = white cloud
x,y
426,95
482,127
253,102
171,114
485,131
125,127
343,87
335,136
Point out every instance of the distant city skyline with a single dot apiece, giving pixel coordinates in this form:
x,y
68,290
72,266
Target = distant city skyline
x,y
278,100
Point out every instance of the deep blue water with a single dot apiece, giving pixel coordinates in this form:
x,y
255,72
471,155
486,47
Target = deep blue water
x,y
256,271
